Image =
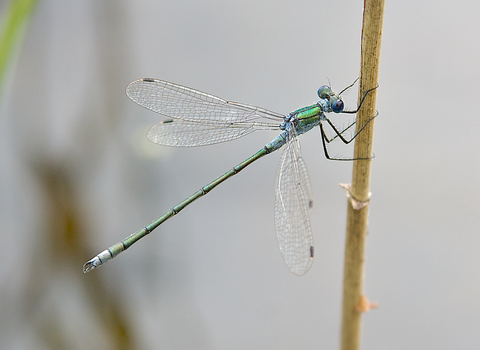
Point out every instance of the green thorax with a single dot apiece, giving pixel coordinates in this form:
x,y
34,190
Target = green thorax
x,y
308,117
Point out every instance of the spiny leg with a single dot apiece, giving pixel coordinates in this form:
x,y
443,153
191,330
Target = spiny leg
x,y
339,133
326,140
361,102
325,150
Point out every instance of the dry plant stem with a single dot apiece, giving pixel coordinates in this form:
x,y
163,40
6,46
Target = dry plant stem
x,y
357,219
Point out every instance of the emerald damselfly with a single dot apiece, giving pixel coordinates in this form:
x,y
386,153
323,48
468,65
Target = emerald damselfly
x,y
199,119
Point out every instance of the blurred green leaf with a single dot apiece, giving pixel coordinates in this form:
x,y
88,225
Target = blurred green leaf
x,y
13,26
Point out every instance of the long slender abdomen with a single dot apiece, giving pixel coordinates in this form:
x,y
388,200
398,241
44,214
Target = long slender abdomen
x,y
114,250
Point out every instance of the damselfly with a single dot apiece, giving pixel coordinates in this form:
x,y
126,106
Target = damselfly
x,y
200,119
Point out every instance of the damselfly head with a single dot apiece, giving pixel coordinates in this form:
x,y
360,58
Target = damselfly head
x,y
333,100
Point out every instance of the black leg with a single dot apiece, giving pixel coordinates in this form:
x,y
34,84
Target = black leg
x,y
326,140
348,87
361,102
339,133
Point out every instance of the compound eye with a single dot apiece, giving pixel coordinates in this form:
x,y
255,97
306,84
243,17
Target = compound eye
x,y
324,92
337,106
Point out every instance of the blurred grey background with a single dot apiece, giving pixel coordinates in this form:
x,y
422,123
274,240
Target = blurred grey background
x,y
78,175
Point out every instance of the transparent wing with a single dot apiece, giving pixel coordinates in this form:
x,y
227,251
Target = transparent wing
x,y
293,203
181,133
180,102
